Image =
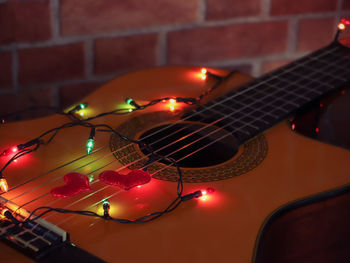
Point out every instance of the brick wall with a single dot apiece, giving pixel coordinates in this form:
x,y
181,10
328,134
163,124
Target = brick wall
x,y
53,52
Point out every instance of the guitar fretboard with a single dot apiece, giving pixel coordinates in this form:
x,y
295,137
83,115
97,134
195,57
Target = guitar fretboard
x,y
260,104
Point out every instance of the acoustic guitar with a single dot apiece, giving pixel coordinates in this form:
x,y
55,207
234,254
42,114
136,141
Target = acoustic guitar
x,y
260,145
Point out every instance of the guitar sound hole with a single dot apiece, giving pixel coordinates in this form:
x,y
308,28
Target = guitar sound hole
x,y
183,142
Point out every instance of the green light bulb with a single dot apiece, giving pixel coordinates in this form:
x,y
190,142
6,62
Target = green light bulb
x,y
90,145
128,101
83,106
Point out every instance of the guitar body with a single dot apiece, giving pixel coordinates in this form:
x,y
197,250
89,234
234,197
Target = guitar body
x,y
223,228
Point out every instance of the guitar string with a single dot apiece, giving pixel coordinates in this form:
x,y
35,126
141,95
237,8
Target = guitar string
x,y
91,206
158,130
165,167
208,125
119,191
152,175
215,104
146,166
53,170
146,136
135,161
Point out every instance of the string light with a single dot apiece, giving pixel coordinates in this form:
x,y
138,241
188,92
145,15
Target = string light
x,y
106,206
91,141
132,103
205,193
341,26
3,185
172,103
204,73
79,107
48,136
82,106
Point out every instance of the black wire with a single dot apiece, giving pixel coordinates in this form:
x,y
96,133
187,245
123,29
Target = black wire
x,y
35,108
144,219
85,123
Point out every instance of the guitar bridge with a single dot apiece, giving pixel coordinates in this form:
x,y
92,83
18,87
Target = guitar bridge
x,y
34,237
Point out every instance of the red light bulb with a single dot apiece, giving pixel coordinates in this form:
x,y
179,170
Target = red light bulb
x,y
206,192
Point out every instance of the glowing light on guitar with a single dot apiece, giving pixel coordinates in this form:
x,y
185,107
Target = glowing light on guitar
x,y
89,145
206,194
341,26
106,205
204,73
90,142
3,185
343,23
9,151
172,104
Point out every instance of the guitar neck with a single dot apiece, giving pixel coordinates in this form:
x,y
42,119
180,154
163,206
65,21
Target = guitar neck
x,y
272,98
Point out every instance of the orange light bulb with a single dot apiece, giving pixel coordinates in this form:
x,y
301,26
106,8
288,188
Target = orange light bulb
x,y
3,185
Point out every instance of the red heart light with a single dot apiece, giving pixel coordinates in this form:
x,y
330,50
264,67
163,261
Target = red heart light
x,y
125,181
74,183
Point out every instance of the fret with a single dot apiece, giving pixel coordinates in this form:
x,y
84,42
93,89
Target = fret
x,y
269,99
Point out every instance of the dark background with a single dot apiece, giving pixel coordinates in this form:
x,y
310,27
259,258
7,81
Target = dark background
x,y
54,52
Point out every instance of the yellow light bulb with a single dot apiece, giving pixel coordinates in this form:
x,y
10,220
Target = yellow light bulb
x,y
341,26
3,185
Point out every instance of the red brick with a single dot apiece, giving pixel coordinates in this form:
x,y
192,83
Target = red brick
x,y
273,64
226,42
315,33
90,16
346,5
5,70
72,94
22,21
217,10
14,102
40,65
287,7
125,53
